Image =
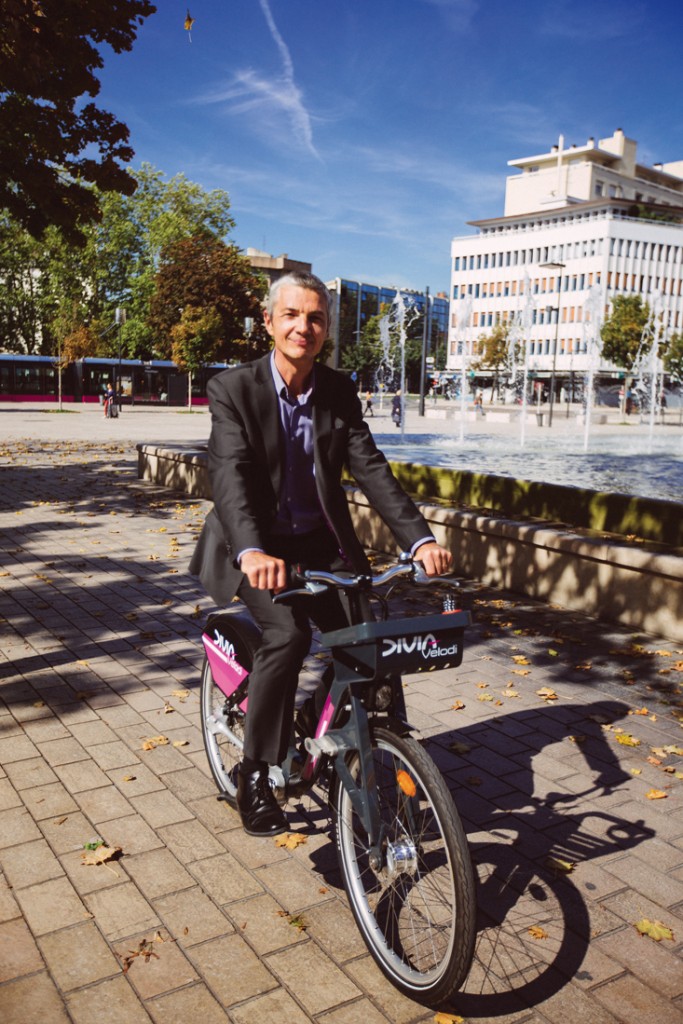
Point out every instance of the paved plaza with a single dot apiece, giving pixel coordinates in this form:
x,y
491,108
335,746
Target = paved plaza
x,y
560,738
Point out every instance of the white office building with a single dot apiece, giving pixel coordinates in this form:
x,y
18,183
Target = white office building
x,y
581,225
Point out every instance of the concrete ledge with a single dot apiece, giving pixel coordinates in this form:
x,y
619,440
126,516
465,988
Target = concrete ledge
x,y
617,582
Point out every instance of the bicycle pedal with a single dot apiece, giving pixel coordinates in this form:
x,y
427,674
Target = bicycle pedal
x,y
324,745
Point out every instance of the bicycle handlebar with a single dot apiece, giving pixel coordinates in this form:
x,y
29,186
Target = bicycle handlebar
x,y
315,581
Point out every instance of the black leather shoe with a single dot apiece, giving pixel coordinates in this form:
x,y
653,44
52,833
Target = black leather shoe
x,y
259,810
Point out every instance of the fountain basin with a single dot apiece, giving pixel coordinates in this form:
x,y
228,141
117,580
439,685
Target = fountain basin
x,y
608,577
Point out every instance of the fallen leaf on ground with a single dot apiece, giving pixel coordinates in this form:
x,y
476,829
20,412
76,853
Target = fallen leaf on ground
x,y
547,693
448,1018
100,855
536,932
458,706
144,950
459,748
290,840
521,659
564,867
654,929
154,741
627,740
656,794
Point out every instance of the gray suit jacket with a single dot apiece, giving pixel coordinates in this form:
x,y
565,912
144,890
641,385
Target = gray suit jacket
x,y
245,470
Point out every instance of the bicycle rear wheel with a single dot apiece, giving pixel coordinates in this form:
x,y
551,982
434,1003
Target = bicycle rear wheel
x,y
222,718
416,912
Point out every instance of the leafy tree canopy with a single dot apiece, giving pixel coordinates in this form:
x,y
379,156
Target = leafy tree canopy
x,y
622,331
205,273
51,142
673,358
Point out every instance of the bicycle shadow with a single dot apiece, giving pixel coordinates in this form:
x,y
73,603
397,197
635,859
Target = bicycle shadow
x,y
534,920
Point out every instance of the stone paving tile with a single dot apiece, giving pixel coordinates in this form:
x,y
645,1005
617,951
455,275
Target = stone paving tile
x,y
632,1002
68,831
78,956
194,1003
276,1007
157,873
192,917
231,970
19,954
103,804
161,968
29,863
657,964
319,984
81,776
51,905
16,826
111,1002
224,879
265,924
33,1000
190,840
136,780
121,911
160,808
48,801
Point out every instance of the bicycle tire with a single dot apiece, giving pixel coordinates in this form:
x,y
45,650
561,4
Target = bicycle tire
x,y
419,924
217,710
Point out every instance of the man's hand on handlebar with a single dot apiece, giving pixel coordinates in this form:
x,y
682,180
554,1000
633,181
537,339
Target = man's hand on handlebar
x,y
264,572
435,559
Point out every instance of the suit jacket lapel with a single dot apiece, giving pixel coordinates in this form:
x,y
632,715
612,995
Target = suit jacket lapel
x,y
268,412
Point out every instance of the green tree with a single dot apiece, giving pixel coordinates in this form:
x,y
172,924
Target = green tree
x,y
195,341
22,278
673,358
622,331
203,272
43,282
494,354
52,144
365,355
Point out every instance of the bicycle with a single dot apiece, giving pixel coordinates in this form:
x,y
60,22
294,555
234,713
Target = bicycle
x,y
401,846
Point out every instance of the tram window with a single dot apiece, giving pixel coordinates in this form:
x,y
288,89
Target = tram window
x,y
5,380
28,379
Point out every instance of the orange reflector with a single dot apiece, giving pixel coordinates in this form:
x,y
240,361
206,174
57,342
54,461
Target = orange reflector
x,y
406,784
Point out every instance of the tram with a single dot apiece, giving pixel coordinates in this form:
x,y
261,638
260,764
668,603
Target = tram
x,y
28,378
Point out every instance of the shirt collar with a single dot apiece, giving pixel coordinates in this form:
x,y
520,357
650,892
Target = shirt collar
x,y
281,387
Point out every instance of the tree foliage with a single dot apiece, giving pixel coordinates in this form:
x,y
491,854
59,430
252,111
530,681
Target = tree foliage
x,y
622,331
374,365
495,353
51,142
203,272
49,283
673,358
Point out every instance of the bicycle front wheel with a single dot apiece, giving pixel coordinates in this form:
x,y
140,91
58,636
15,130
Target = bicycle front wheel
x,y
416,910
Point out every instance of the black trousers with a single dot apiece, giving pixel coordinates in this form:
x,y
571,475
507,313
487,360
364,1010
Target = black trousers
x,y
286,642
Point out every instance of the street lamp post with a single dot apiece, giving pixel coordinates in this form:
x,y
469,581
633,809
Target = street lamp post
x,y
556,309
423,360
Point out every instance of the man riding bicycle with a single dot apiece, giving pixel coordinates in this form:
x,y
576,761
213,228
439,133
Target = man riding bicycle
x,y
283,429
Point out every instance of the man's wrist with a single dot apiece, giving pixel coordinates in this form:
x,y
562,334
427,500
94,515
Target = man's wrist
x,y
246,552
418,544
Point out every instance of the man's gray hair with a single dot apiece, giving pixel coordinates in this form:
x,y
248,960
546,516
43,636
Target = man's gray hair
x,y
300,279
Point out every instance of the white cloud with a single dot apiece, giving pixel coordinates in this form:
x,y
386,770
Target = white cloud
x,y
266,99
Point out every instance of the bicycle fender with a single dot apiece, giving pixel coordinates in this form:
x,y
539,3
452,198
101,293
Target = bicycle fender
x,y
230,640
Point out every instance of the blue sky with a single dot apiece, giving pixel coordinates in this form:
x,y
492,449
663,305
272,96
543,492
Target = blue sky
x,y
362,135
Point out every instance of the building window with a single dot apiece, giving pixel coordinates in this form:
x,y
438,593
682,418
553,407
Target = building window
x,y
599,188
456,263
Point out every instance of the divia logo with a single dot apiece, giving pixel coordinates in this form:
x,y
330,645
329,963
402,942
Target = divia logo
x,y
427,645
227,648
